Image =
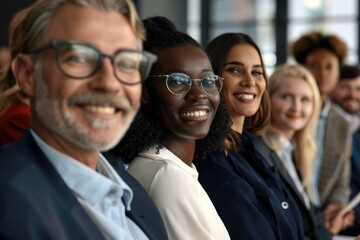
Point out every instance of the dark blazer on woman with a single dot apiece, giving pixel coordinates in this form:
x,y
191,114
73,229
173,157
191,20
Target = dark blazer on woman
x,y
35,202
249,195
314,226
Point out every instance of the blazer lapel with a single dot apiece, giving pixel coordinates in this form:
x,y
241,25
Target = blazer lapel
x,y
58,189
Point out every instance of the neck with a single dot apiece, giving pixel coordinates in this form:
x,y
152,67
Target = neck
x,y
324,98
85,156
238,123
182,148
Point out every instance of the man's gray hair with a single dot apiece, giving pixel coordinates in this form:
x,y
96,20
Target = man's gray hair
x,y
36,23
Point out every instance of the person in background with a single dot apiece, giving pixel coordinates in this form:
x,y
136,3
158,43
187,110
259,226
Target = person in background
x,y
81,65
323,55
354,230
289,142
347,94
246,190
14,105
180,117
5,58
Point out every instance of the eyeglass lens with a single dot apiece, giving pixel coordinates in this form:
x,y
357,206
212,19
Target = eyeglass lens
x,y
82,61
179,83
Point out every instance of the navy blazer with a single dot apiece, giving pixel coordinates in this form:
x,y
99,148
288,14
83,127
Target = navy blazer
x,y
35,202
355,183
314,226
248,195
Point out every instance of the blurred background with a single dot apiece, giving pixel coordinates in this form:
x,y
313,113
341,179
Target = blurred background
x,y
274,24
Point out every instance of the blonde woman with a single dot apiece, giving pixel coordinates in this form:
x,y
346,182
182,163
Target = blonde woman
x,y
296,105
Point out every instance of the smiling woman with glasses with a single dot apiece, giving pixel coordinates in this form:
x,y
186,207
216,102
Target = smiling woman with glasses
x,y
181,117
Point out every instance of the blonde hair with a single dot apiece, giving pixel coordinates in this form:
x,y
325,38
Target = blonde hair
x,y
305,146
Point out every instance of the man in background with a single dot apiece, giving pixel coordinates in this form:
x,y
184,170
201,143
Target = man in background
x,y
347,94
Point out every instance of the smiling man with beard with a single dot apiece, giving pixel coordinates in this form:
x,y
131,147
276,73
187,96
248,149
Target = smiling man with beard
x,y
347,94
81,64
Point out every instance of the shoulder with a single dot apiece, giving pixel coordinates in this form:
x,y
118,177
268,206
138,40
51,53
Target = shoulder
x,y
334,115
152,169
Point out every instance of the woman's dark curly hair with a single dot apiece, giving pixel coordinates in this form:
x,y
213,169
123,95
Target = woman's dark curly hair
x,y
146,129
312,41
218,50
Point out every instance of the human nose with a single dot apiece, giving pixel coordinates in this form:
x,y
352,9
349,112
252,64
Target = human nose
x,y
105,79
248,80
295,105
195,92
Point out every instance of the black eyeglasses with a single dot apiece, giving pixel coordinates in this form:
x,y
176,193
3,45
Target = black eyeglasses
x,y
180,83
79,60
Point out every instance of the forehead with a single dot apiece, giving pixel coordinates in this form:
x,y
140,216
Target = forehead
x,y
106,30
322,55
185,58
244,53
294,84
350,81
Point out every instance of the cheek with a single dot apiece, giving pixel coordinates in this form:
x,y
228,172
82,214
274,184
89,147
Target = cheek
x,y
133,94
277,107
308,111
215,101
262,86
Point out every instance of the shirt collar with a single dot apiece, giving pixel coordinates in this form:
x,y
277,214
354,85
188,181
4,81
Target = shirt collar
x,y
324,112
164,153
90,185
288,147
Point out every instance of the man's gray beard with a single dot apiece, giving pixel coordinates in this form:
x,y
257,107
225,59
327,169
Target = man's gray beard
x,y
64,123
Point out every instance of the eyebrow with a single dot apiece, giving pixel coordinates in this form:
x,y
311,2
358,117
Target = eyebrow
x,y
241,64
205,70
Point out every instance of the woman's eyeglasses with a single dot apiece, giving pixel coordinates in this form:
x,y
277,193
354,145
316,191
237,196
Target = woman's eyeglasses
x,y
79,60
180,83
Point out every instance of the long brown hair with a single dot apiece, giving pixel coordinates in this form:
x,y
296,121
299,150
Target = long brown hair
x,y
218,50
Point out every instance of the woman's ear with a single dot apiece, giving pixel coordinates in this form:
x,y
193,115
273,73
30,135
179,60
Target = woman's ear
x,y
145,99
23,69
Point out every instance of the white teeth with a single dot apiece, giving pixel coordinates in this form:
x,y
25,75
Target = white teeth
x,y
194,114
101,109
246,96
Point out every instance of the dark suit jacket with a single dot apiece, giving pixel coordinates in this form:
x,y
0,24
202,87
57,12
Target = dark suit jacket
x,y
312,219
248,195
35,202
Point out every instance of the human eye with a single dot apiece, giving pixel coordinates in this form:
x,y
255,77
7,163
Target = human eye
x,y
178,79
127,64
208,81
305,99
257,73
233,70
77,55
313,66
286,96
127,61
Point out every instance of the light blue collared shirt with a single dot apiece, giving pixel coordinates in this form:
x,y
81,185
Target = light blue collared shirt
x,y
320,134
286,154
102,193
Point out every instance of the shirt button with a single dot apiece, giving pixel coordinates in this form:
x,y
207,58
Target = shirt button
x,y
112,192
284,205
